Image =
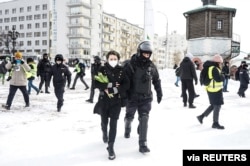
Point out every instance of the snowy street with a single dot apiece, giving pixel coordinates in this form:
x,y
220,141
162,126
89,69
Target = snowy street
x,y
40,136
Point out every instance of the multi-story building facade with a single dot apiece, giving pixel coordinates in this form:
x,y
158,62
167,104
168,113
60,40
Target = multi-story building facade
x,y
78,29
32,20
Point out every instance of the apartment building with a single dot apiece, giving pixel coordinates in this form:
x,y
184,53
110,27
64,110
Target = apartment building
x,y
32,20
120,35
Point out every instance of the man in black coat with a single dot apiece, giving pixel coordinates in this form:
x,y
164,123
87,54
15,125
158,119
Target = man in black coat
x,y
226,74
60,74
188,75
43,70
244,80
141,72
95,68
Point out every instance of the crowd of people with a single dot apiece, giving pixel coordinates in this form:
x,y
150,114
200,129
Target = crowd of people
x,y
128,84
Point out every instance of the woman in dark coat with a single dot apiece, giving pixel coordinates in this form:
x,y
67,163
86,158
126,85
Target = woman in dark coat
x,y
244,80
214,91
112,90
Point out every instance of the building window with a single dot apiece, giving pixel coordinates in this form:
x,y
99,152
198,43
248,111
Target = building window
x,y
44,33
29,34
37,17
21,18
6,11
21,35
44,24
37,25
29,26
6,28
13,19
44,6
37,42
21,26
219,25
29,43
45,16
44,43
37,7
29,8
29,17
7,20
37,34
20,43
21,10
1,20
0,12
14,11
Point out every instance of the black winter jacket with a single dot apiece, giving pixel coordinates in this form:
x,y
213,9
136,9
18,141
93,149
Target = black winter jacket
x,y
44,66
138,64
61,74
187,69
244,77
111,106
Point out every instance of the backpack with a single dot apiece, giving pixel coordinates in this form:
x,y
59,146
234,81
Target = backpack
x,y
177,71
204,79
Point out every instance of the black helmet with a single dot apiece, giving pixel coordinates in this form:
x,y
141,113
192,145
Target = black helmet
x,y
144,47
45,56
29,60
76,60
59,57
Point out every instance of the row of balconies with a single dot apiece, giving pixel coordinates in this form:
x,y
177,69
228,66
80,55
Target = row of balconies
x,y
73,3
78,46
78,35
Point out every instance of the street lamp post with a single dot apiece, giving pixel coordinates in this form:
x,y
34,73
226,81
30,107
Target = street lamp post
x,y
167,59
13,35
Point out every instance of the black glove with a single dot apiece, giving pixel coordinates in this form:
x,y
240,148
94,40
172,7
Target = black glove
x,y
196,82
9,78
22,62
159,99
75,70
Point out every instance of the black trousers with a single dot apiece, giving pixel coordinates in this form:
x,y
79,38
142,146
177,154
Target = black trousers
x,y
142,106
82,80
112,127
187,85
45,78
59,91
216,111
12,92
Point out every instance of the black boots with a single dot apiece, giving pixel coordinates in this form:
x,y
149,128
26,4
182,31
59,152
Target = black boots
x,y
143,129
200,118
216,125
89,101
128,122
191,106
143,148
111,151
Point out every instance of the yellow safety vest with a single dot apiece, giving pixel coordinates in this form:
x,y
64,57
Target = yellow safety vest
x,y
213,85
78,69
32,72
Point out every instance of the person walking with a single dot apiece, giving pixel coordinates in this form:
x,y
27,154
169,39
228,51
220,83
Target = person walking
x,y
214,91
177,74
141,72
3,69
31,75
80,73
43,70
237,74
18,69
95,67
244,80
60,73
110,98
226,74
188,75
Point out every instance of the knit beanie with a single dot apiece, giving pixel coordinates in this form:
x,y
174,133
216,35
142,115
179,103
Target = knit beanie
x,y
18,55
189,55
217,58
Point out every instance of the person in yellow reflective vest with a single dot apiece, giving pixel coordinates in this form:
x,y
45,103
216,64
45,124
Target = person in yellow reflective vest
x,y
214,90
80,73
31,75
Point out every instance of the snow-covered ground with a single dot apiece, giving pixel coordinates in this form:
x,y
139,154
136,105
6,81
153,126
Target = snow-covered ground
x,y
40,136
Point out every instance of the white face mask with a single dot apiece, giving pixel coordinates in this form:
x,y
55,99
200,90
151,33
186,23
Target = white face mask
x,y
113,63
58,62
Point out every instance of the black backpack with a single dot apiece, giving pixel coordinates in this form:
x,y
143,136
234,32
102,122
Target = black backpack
x,y
204,79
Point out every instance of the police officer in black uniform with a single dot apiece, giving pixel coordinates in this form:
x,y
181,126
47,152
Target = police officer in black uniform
x,y
61,74
95,67
43,70
141,72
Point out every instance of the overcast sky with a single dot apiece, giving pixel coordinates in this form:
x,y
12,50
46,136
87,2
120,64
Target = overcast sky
x,y
133,11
